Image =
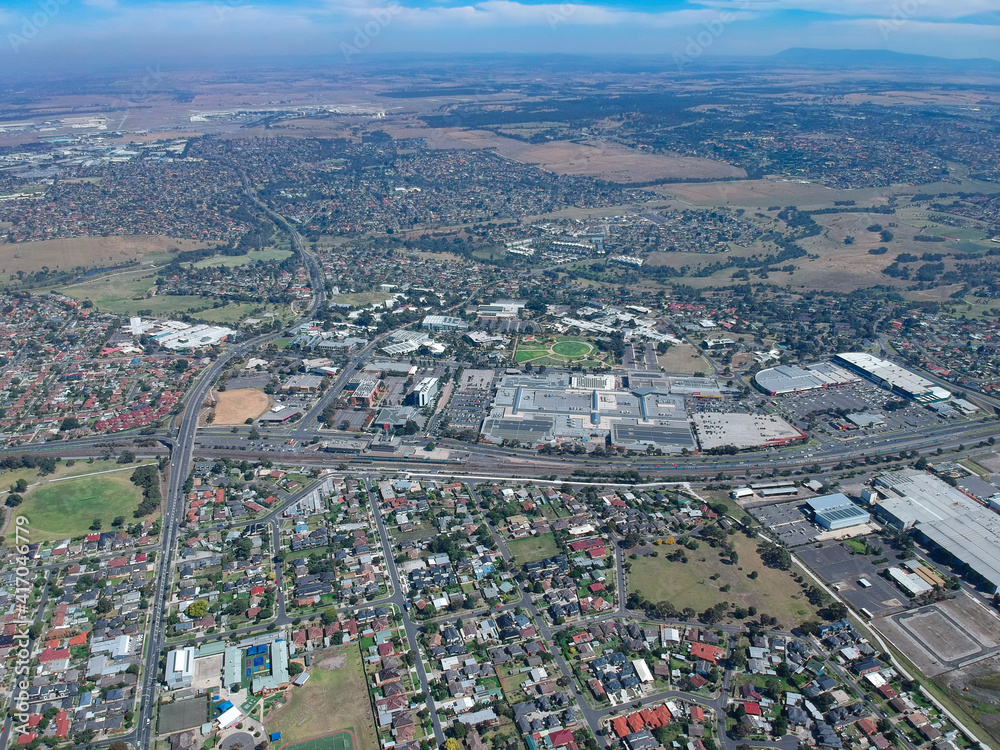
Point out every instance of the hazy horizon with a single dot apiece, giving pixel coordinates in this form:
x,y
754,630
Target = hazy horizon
x,y
71,35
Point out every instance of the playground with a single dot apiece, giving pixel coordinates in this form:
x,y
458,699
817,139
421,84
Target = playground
x,y
257,661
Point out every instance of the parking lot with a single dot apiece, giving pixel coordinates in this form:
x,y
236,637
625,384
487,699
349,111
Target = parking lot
x,y
841,570
787,522
640,355
853,398
472,401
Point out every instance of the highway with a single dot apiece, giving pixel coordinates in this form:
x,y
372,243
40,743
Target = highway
x,y
180,461
478,460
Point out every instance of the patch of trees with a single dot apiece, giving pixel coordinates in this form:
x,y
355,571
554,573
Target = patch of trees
x,y
148,479
45,465
775,556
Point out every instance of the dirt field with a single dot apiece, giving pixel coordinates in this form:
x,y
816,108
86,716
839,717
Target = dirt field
x,y
606,161
84,251
979,701
621,165
940,637
237,406
684,358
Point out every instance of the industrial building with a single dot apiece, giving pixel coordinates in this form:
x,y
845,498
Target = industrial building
x,y
180,668
443,323
426,392
961,531
890,375
790,379
836,512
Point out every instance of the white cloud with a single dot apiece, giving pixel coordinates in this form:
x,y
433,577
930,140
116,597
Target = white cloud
x,y
511,13
927,9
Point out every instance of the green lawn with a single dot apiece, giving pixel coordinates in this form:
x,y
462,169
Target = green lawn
x,y
231,261
31,476
572,349
690,584
332,700
234,312
558,350
533,548
124,294
61,509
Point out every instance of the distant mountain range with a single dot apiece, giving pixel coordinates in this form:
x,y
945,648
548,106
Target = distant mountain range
x,y
870,58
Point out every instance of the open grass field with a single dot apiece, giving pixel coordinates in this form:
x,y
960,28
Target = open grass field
x,y
335,741
239,405
533,548
231,261
61,508
614,163
333,700
124,293
32,477
834,266
690,584
557,350
765,193
234,312
89,252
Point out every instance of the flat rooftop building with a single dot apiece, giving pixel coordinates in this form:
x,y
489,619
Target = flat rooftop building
x,y
836,512
892,376
443,323
180,668
426,391
792,379
721,429
946,519
590,409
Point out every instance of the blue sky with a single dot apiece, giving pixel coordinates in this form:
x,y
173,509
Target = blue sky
x,y
73,33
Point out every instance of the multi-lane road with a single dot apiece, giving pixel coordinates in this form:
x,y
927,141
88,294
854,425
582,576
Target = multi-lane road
x,y
294,445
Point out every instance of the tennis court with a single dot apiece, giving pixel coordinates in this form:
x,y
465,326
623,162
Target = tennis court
x,y
336,741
